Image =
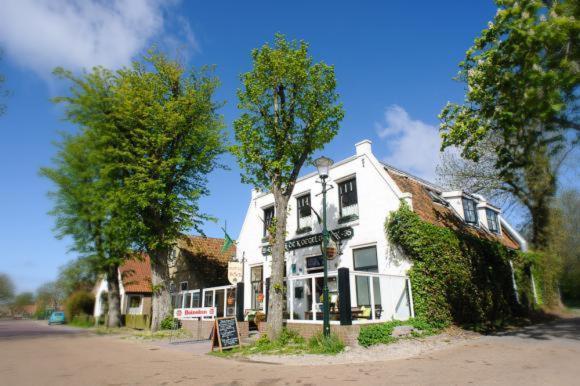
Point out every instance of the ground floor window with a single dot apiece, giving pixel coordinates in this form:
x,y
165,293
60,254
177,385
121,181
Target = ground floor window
x,y
365,259
256,280
134,304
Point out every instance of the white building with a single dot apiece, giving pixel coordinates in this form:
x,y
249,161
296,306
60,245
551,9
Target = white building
x,y
364,192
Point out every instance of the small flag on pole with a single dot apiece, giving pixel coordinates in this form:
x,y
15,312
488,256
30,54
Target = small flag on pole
x,y
228,241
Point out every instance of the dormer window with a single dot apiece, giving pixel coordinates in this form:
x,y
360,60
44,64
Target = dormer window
x,y
268,218
469,211
492,222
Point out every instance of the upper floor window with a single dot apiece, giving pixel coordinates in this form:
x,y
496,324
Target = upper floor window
x,y
303,211
347,198
492,222
268,218
469,211
183,286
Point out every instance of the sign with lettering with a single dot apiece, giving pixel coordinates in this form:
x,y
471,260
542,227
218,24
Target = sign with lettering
x,y
235,272
312,240
225,334
193,313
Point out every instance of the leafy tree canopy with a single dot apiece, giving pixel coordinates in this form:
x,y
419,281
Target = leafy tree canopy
x,y
290,109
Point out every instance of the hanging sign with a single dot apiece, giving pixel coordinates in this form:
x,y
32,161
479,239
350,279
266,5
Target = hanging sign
x,y
313,240
225,334
235,272
193,313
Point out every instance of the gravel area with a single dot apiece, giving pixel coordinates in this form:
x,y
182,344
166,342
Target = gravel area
x,y
404,348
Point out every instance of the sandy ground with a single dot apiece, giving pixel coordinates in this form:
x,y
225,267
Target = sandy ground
x,y
538,355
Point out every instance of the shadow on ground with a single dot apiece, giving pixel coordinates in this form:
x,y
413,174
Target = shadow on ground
x,y
557,329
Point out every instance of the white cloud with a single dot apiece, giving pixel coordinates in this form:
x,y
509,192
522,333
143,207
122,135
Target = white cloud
x,y
41,35
412,145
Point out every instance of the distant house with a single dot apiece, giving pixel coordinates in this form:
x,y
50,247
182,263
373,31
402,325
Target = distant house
x,y
135,289
195,263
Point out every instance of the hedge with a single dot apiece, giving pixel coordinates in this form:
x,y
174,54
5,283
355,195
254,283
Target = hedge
x,y
457,277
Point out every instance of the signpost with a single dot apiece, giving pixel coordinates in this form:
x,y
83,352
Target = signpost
x,y
310,241
225,334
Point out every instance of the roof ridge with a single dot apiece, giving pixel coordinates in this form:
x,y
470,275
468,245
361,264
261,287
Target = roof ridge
x,y
418,179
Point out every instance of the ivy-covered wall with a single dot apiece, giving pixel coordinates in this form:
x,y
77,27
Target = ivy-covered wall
x,y
457,277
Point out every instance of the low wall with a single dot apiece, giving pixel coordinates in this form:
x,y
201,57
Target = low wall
x,y
201,329
348,334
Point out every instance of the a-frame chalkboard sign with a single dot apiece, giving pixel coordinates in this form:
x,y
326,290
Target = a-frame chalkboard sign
x,y
225,334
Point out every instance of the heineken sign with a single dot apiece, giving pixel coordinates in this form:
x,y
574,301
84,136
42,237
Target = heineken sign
x,y
312,240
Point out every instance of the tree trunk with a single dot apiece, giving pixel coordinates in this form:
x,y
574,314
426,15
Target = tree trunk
x,y
276,296
113,297
160,281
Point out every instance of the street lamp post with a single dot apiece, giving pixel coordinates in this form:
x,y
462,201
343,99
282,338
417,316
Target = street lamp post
x,y
323,165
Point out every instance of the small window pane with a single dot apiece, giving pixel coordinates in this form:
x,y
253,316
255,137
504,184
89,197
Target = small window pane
x,y
134,301
363,292
268,218
195,300
492,222
183,286
469,211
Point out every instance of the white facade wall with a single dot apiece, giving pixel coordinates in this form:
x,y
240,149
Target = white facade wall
x,y
378,195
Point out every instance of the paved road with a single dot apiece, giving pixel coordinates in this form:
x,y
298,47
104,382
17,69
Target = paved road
x,y
30,329
547,354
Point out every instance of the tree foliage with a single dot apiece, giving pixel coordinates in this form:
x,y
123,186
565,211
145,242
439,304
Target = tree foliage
x,y
289,110
6,288
522,76
157,134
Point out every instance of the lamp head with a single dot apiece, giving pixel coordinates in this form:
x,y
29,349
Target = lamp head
x,y
323,165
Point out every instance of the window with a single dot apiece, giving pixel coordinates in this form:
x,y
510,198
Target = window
x,y
492,222
347,198
195,299
256,278
268,218
469,211
314,264
303,211
365,259
183,286
134,301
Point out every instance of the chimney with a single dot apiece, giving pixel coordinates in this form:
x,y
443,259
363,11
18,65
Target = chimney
x,y
363,147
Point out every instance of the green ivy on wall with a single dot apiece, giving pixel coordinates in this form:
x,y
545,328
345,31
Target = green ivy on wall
x,y
457,277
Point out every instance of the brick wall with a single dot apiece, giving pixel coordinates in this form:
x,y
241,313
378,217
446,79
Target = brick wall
x,y
201,329
348,334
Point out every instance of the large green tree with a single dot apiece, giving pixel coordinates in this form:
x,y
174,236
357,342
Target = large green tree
x,y
289,110
6,288
85,211
522,76
159,135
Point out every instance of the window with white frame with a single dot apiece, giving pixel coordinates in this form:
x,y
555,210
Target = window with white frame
x,y
470,211
256,281
268,218
365,259
134,304
304,212
183,286
347,198
492,222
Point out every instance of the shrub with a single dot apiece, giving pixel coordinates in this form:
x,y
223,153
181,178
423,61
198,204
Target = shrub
x,y
319,344
167,323
381,333
78,303
82,320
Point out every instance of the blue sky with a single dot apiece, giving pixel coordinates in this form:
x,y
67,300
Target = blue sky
x,y
394,65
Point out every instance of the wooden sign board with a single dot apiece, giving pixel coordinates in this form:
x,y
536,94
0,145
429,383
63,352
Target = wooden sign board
x,y
225,334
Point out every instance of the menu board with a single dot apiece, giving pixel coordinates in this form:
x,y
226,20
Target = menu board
x,y
225,333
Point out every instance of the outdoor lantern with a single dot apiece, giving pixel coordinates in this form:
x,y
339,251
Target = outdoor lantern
x,y
323,165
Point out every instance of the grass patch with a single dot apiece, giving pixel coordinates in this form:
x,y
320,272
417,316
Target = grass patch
x,y
288,343
381,333
162,334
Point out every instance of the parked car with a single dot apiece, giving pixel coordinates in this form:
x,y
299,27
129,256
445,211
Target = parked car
x,y
57,317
